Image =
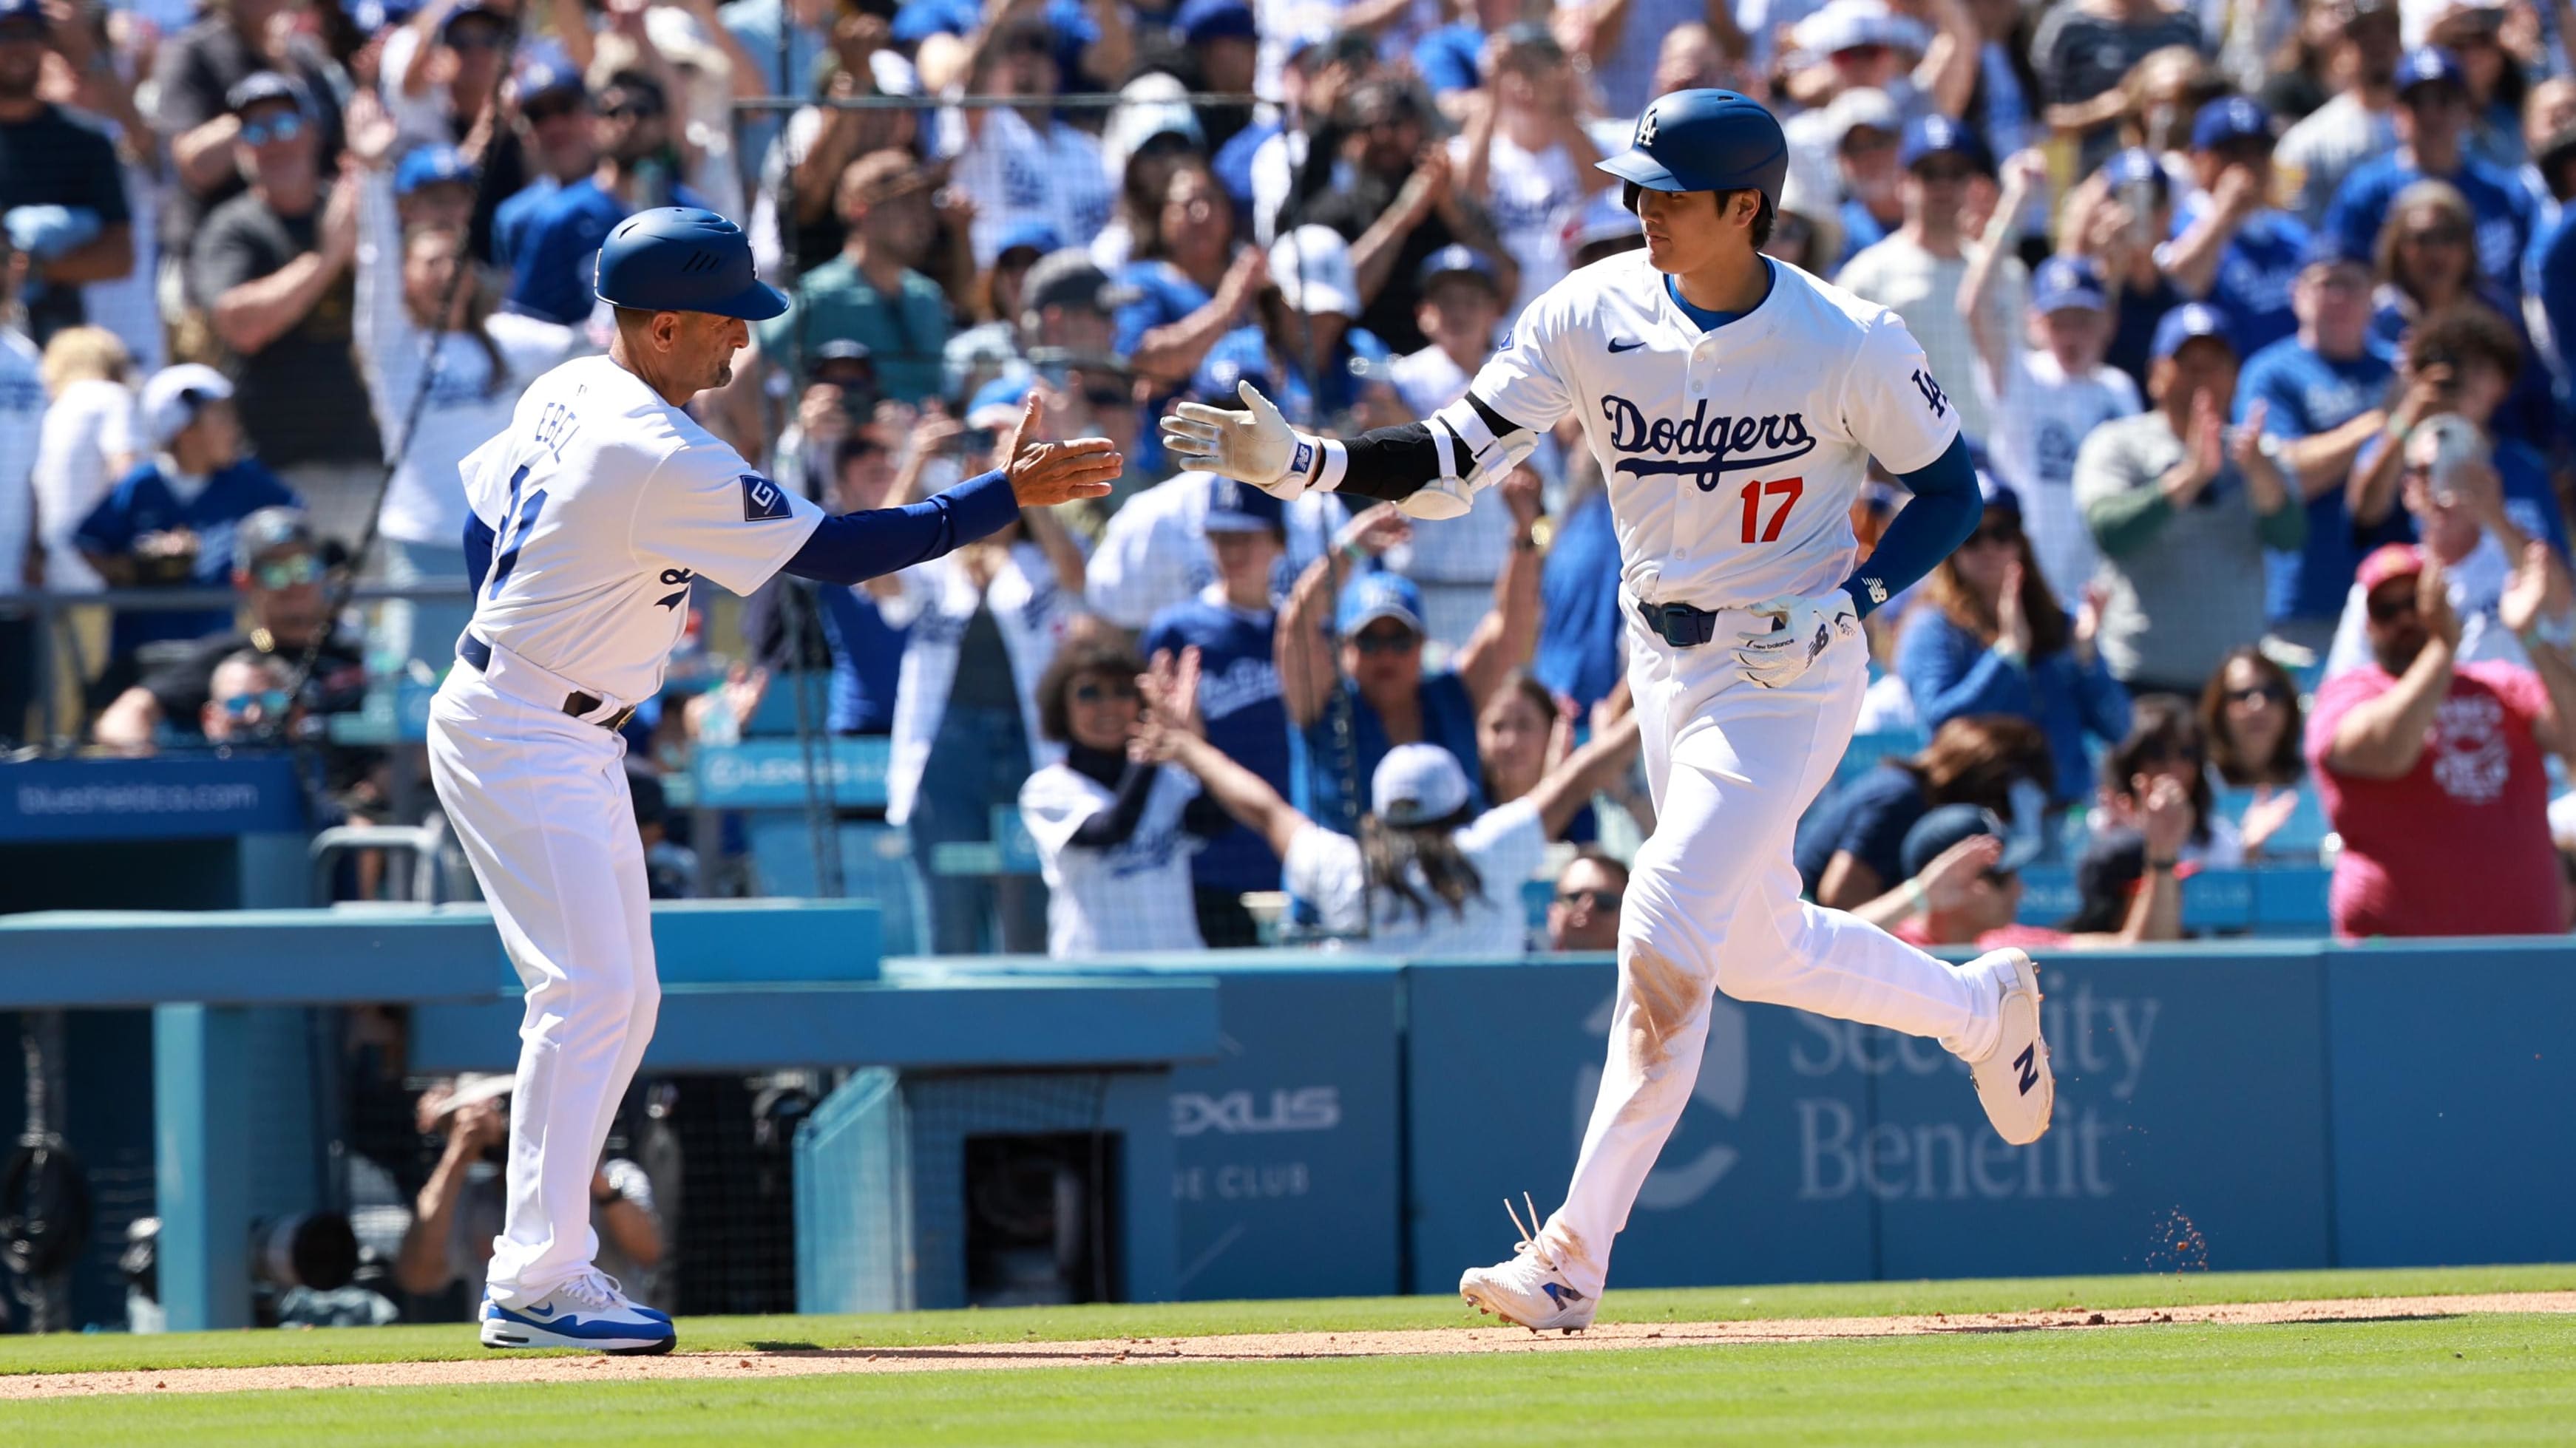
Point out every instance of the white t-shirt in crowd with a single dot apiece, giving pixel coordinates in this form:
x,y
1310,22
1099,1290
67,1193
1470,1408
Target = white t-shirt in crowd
x,y
86,443
1505,845
1018,175
606,502
2041,418
1135,896
1922,288
22,421
1471,548
1529,194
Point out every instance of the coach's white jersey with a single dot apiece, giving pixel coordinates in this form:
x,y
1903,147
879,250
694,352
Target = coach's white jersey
x,y
1732,457
606,502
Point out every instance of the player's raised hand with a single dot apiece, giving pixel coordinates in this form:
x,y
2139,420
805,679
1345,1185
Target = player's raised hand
x,y
1043,474
1253,446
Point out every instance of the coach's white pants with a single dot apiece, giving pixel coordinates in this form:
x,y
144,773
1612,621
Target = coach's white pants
x,y
1712,903
539,801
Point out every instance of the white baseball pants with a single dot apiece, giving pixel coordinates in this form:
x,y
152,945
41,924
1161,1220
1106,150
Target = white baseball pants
x,y
1712,903
539,801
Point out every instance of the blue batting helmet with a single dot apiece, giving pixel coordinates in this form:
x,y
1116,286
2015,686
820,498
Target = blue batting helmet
x,y
1704,140
683,259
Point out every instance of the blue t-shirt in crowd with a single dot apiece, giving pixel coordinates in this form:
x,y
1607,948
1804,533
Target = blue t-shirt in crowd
x,y
2252,287
511,219
551,269
2529,412
1335,386
143,503
1446,58
1953,674
1869,819
1070,23
2530,498
2133,327
2498,205
1315,766
867,658
1861,231
1233,162
2306,394
1245,718
1164,294
1581,652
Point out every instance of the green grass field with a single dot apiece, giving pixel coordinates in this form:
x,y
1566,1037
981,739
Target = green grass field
x,y
2508,1378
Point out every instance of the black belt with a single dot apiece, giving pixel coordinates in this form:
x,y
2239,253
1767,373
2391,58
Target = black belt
x,y
478,653
1679,624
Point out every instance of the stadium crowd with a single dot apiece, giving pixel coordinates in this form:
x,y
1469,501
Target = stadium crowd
x,y
2250,310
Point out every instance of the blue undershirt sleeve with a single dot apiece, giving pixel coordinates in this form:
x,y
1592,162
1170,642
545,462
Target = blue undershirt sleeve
x,y
849,548
1944,512
479,539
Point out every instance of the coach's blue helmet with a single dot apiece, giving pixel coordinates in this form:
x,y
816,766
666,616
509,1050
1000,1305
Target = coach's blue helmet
x,y
1704,140
684,259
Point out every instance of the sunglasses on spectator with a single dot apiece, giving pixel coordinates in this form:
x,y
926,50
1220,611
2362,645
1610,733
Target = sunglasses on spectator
x,y
1101,691
2267,693
287,572
2006,533
551,110
284,127
1396,640
625,108
1599,899
270,702
1108,397
2390,607
2436,236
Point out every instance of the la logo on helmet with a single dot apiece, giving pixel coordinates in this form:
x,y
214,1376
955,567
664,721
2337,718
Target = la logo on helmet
x,y
1646,127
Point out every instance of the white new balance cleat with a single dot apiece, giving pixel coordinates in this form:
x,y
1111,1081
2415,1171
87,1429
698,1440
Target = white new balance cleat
x,y
1530,1290
591,1311
2014,1081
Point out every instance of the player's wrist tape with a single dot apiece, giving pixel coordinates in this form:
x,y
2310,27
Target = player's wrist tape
x,y
1321,461
1471,452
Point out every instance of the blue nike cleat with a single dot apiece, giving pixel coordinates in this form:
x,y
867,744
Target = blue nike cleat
x,y
591,1311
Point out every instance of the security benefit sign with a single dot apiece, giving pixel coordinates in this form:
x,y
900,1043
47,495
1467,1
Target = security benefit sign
x,y
1284,1147
2189,1131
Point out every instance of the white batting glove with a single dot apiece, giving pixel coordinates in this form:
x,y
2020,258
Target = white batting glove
x,y
1802,629
1438,499
1257,446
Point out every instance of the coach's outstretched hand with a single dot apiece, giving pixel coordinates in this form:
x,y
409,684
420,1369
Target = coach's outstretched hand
x,y
1253,447
1043,474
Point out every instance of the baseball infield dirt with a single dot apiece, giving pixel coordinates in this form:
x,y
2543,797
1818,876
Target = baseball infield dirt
x,y
1277,1347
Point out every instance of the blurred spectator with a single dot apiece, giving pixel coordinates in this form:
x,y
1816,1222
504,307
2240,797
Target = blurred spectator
x,y
1847,45
1360,689
2432,770
2293,68
62,189
2472,31
871,292
841,397
2164,746
1850,847
1919,271
1232,624
1992,640
1115,829
1450,59
2116,217
1089,45
22,551
1192,283
194,75
551,262
2249,716
991,347
1305,335
1394,198
1863,127
1259,166
2083,49
670,868
1585,913
781,70
2321,395
985,622
2358,119
88,442
865,627
2427,269
1979,907
801,171
271,267
1069,306
249,702
550,114
429,336
1151,133
458,1213
2182,510
1582,632
2432,134
1526,157
2230,247
1520,734
1154,553
1604,228
2045,386
1621,43
1429,871
1022,163
1462,304
443,67
280,577
170,522
2459,367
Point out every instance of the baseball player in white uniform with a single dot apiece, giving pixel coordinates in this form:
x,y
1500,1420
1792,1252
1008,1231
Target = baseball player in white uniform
x,y
593,513
1734,403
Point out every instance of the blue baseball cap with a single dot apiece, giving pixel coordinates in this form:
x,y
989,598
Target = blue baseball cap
x,y
1039,234
2329,247
262,86
430,165
1201,21
23,10
1993,494
1228,363
997,403
2230,118
2067,281
545,72
1952,824
2429,65
1242,508
1373,596
2189,322
1935,134
2134,165
1466,260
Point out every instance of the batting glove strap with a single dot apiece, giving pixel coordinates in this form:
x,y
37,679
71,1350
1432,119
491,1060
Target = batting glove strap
x,y
1802,629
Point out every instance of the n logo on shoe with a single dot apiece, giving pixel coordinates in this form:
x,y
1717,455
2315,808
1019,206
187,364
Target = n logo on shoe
x,y
2028,1064
1561,1296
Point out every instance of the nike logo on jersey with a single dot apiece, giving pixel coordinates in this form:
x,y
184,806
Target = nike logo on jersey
x,y
762,500
1617,347
1701,447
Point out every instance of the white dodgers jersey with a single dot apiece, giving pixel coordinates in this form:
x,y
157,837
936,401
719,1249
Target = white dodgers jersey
x,y
606,503
1732,457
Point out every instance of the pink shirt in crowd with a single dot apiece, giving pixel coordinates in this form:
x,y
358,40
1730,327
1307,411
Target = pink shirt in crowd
x,y
2459,845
